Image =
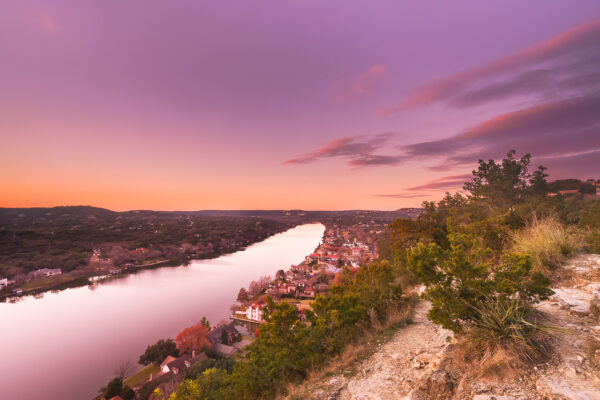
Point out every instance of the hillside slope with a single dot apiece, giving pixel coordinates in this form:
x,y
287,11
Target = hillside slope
x,y
419,363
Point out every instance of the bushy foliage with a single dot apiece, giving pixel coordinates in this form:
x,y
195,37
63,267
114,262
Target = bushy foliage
x,y
211,385
193,338
462,249
64,237
157,352
287,347
461,278
116,388
195,370
458,248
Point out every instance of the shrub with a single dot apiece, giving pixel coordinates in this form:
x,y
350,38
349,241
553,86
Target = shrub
x,y
157,352
462,279
548,242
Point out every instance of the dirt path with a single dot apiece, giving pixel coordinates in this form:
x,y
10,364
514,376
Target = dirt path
x,y
396,368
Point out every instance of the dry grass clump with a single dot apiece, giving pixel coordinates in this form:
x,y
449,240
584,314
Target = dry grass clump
x,y
548,242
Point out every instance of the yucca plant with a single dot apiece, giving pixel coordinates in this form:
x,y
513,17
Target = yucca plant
x,y
505,321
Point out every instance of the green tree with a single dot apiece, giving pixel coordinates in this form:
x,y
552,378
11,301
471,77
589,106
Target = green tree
x,y
157,352
205,322
500,186
538,183
115,388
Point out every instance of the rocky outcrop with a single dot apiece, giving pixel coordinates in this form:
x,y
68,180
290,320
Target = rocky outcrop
x,y
418,363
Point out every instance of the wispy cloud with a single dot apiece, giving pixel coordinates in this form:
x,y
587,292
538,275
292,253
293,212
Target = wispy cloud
x,y
563,65
432,188
404,195
547,130
557,83
358,151
444,183
351,89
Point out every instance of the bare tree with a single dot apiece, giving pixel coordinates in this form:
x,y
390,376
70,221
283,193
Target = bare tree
x,y
254,289
243,296
125,369
264,282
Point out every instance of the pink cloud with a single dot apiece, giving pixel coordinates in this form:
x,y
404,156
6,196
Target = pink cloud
x,y
351,89
446,182
404,195
358,150
576,44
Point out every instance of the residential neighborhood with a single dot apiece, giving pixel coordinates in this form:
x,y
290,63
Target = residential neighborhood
x,y
342,246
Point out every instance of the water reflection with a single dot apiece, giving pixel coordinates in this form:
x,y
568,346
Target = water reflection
x,y
68,344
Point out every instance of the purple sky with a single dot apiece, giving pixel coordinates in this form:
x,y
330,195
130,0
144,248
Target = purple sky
x,y
288,104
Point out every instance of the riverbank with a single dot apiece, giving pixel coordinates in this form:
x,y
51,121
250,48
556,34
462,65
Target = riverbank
x,y
113,322
76,278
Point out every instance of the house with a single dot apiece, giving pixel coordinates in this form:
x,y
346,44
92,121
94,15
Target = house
x,y
311,258
3,283
255,312
225,334
241,344
331,257
303,268
224,350
46,272
333,270
242,329
164,367
321,287
177,365
308,292
299,283
564,192
291,288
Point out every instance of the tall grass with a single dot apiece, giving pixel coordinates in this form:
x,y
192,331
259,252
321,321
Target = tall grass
x,y
548,242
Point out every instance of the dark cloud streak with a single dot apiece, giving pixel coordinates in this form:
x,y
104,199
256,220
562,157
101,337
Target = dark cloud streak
x,y
357,150
568,58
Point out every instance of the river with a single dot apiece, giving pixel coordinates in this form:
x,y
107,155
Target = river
x,y
67,344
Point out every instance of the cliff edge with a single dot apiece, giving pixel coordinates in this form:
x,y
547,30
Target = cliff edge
x,y
423,361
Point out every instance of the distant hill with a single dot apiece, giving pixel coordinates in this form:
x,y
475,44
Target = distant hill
x,y
379,216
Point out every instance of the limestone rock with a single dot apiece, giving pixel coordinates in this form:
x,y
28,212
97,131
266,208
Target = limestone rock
x,y
570,389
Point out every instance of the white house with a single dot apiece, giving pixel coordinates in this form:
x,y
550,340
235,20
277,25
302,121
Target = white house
x,y
255,312
3,283
47,272
164,367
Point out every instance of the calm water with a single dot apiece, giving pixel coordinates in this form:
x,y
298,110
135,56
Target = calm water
x,y
68,344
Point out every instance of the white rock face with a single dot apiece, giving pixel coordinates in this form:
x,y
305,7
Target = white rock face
x,y
571,389
577,300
